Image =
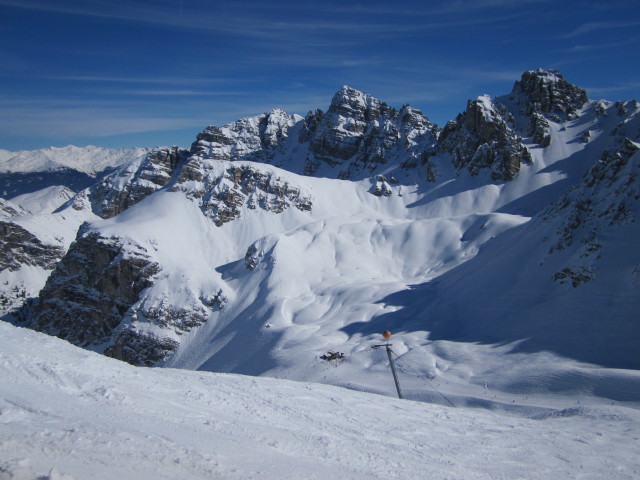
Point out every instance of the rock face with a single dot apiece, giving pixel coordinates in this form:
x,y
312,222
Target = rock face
x,y
544,95
20,247
489,134
359,133
547,92
484,137
259,139
133,182
221,196
92,289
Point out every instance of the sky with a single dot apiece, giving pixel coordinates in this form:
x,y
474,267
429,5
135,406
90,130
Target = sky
x,y
156,72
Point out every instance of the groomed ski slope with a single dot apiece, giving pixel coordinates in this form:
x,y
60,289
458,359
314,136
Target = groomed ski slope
x,y
67,413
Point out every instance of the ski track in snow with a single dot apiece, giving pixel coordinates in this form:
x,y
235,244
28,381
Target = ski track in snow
x,y
66,413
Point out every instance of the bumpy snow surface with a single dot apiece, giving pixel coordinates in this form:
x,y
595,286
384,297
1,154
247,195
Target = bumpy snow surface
x,y
67,413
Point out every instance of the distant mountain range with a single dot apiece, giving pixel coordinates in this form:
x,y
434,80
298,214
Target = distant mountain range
x,y
508,233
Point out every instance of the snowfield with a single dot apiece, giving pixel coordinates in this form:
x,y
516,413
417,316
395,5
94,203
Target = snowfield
x,y
67,413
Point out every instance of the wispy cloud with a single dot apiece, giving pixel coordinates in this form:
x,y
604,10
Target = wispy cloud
x,y
600,46
259,22
182,93
632,88
595,26
146,80
432,8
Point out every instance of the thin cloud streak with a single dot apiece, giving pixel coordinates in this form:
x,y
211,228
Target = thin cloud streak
x,y
595,26
259,26
181,93
146,80
600,46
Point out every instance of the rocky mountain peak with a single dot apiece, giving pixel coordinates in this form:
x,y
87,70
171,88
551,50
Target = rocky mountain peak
x,y
251,138
484,137
547,92
349,102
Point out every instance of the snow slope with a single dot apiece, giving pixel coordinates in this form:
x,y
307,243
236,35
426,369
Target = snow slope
x,y
44,201
67,413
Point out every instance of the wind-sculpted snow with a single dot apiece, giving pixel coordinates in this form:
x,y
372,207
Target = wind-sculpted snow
x,y
574,291
9,209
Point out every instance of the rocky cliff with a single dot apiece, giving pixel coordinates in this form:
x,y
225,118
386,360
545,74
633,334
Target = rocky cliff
x,y
92,288
359,133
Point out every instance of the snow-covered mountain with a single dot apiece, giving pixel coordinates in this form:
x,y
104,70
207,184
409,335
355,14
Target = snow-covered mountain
x,y
499,249
73,167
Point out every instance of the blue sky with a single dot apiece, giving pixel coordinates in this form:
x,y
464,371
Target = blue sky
x,y
156,72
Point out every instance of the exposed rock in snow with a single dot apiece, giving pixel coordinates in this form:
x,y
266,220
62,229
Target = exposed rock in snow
x,y
258,138
484,137
20,247
9,209
607,198
135,181
547,92
92,289
222,194
359,133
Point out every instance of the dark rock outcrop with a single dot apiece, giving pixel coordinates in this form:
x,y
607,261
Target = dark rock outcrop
x,y
20,247
547,92
138,348
92,288
544,95
484,137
